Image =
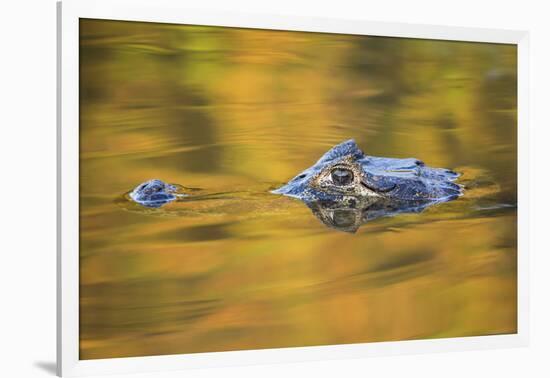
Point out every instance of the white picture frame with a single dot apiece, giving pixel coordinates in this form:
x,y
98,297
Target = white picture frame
x,y
168,11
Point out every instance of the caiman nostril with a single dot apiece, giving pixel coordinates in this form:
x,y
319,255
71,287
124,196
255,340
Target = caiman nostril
x,y
153,193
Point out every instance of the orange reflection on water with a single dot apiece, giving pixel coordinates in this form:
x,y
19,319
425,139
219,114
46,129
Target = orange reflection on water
x,y
237,112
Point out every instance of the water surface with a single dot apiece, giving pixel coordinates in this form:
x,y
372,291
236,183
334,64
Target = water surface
x,y
235,113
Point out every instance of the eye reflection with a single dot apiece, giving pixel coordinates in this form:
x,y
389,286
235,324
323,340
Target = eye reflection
x,y
342,176
343,218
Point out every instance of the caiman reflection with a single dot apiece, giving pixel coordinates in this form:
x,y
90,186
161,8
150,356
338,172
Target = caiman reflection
x,y
350,216
347,188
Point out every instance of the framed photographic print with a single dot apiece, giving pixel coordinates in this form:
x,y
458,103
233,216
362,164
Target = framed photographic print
x,y
240,188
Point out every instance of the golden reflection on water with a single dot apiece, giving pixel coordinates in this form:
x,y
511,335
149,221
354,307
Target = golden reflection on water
x,y
238,112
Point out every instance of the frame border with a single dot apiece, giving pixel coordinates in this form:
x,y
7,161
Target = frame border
x,y
168,11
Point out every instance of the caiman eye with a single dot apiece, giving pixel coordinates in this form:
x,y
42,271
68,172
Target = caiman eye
x,y
342,176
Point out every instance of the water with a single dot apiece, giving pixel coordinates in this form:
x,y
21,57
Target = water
x,y
233,113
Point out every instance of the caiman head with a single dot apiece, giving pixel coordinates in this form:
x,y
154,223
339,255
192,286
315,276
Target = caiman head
x,y
345,173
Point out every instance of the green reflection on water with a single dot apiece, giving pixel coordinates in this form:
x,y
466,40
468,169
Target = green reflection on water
x,y
239,112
